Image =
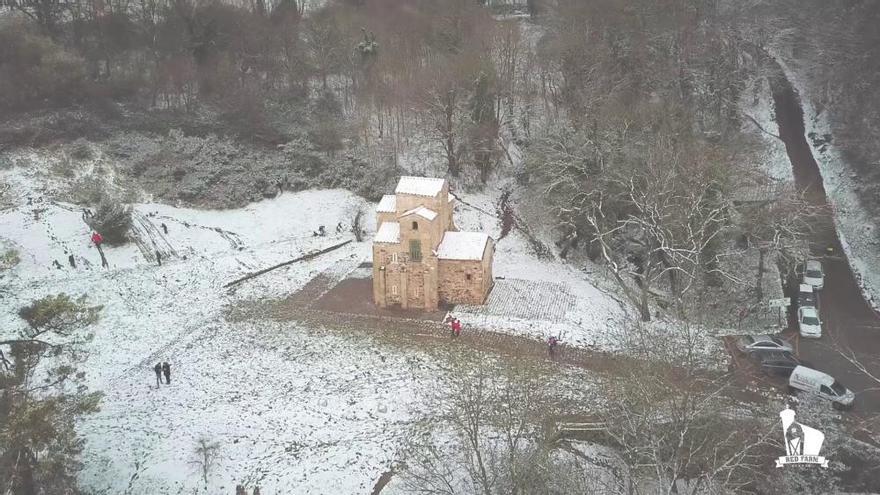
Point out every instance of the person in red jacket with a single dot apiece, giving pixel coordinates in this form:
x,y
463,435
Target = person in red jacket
x,y
456,327
98,240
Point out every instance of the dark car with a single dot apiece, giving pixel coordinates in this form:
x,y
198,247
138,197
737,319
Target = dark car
x,y
777,363
807,297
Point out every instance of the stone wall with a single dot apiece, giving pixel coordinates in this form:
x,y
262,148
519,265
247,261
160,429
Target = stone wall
x,y
456,287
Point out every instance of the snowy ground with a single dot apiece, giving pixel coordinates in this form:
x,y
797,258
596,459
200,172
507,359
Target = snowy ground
x,y
757,106
538,297
859,231
293,409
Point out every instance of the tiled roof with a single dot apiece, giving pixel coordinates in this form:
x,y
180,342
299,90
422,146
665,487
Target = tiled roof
x,y
419,186
388,233
388,204
462,246
421,211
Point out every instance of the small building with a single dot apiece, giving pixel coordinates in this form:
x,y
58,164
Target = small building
x,y
420,259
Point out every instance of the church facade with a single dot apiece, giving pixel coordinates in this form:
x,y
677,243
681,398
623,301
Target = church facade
x,y
420,259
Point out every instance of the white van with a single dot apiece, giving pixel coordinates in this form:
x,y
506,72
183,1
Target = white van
x,y
818,383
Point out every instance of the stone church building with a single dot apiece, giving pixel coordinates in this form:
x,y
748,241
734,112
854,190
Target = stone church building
x,y
420,259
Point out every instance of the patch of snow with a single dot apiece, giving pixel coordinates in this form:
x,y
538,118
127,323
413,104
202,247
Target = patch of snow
x,y
462,246
538,297
419,186
426,213
389,233
757,105
388,204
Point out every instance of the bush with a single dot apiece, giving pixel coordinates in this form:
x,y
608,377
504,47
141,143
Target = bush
x,y
80,150
9,259
58,313
86,190
112,220
362,178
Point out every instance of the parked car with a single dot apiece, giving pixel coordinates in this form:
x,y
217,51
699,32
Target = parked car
x,y
762,343
813,274
821,384
777,362
807,297
809,323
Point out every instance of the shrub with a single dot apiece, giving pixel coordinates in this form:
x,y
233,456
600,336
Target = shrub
x,y
86,190
9,259
80,150
58,313
112,219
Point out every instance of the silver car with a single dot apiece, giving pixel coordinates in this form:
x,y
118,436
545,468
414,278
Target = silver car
x,y
758,343
814,275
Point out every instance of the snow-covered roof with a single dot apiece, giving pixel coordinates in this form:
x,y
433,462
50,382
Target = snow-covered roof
x,y
462,246
419,186
388,204
421,211
388,233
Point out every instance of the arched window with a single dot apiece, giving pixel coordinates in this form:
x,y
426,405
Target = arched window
x,y
415,225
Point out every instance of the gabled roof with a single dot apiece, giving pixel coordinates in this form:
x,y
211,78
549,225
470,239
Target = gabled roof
x,y
426,213
388,233
419,186
388,204
462,246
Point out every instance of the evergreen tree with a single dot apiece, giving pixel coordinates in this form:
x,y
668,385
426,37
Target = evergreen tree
x,y
41,398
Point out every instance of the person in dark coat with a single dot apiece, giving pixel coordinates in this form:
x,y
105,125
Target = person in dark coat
x,y
166,369
72,261
159,257
165,229
158,370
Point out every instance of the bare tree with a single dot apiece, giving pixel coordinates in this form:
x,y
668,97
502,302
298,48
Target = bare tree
x,y
206,455
677,425
500,441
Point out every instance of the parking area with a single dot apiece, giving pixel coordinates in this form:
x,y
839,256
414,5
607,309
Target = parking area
x,y
849,346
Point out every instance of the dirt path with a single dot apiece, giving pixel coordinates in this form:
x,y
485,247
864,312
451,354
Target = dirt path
x,y
410,332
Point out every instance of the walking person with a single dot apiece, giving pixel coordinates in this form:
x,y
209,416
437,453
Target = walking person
x,y
166,369
164,229
158,370
98,239
456,328
552,342
72,261
159,257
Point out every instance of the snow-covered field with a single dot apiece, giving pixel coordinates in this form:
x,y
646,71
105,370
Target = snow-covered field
x,y
293,409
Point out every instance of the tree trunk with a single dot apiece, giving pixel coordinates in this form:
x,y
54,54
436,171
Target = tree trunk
x,y
759,285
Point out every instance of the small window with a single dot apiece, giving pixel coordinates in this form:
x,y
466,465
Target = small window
x,y
825,390
394,257
415,250
415,225
394,290
468,276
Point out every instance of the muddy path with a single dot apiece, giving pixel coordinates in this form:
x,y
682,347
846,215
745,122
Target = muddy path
x,y
849,323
